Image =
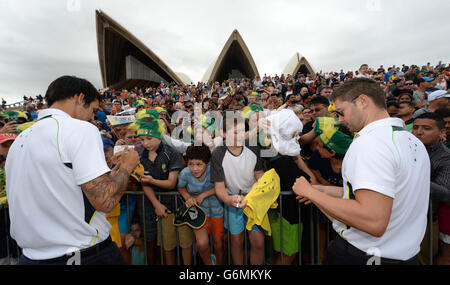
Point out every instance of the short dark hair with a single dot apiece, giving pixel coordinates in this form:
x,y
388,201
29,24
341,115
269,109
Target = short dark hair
x,y
443,112
358,86
68,86
409,103
198,152
325,87
433,116
320,100
235,115
392,103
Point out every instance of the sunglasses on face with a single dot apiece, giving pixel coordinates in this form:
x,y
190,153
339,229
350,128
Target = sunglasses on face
x,y
340,113
409,83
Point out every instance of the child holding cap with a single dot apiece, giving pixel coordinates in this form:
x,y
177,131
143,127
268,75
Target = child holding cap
x,y
195,185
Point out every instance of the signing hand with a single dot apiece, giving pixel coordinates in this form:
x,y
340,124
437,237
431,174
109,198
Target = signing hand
x,y
9,128
235,201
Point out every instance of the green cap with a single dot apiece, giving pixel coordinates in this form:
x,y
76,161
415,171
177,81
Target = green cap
x,y
16,114
139,103
208,123
148,124
325,123
337,141
161,109
328,130
248,111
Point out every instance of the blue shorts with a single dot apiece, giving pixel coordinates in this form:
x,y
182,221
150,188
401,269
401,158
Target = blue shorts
x,y
238,221
124,219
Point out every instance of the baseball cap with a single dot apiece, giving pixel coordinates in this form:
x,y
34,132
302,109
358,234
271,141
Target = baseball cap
x,y
284,130
337,141
423,79
193,217
437,95
7,137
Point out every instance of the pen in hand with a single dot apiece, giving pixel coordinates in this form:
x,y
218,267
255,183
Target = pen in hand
x,y
239,203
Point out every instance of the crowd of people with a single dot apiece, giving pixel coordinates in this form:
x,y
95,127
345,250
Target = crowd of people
x,y
186,144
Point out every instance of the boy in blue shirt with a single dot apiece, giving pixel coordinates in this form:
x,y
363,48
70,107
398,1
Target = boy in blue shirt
x,y
195,185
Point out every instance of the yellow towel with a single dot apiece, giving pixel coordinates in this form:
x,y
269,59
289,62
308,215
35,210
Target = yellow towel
x,y
113,219
261,198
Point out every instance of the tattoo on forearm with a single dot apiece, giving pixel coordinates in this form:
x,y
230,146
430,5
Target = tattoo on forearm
x,y
107,190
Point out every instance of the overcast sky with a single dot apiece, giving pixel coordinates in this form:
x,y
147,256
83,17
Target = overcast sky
x,y
42,40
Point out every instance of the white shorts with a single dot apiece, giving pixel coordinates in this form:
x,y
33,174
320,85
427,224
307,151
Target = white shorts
x,y
444,238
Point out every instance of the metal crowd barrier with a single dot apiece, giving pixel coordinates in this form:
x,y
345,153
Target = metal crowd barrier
x,y
13,252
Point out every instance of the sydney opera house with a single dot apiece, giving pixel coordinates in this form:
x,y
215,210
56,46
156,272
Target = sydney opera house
x,y
126,62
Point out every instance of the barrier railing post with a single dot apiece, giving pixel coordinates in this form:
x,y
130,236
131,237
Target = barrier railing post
x,y
311,235
430,223
245,247
144,226
8,254
228,236
178,237
161,242
300,234
317,222
327,240
281,230
211,241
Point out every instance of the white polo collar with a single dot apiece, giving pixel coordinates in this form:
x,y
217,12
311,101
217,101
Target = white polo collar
x,y
381,123
52,111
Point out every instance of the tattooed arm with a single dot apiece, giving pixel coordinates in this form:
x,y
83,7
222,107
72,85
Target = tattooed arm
x,y
105,191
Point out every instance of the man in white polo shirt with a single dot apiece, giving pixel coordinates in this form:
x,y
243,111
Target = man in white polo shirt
x,y
380,214
59,185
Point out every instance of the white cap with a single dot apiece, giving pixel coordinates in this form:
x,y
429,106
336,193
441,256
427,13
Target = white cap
x,y
285,129
437,95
